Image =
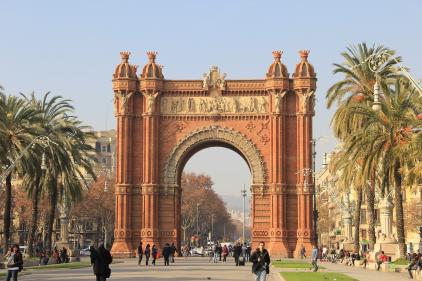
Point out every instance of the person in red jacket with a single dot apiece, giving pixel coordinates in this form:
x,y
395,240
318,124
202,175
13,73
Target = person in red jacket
x,y
381,259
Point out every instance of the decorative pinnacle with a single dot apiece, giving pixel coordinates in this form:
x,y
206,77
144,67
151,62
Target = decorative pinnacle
x,y
304,54
277,55
151,56
125,56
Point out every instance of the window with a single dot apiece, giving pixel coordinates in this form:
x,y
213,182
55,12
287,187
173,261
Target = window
x,y
104,161
363,216
363,234
103,149
108,148
97,146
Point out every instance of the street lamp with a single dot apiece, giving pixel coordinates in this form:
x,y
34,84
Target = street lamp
x,y
243,192
197,219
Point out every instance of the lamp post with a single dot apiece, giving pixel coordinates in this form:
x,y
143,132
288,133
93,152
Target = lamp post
x,y
197,219
212,226
243,192
315,212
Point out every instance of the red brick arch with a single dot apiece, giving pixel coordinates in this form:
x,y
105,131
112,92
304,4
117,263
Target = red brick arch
x,y
161,123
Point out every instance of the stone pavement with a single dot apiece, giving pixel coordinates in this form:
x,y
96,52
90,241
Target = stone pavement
x,y
190,269
359,273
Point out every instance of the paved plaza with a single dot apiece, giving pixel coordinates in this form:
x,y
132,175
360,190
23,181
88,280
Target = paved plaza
x,y
196,269
190,269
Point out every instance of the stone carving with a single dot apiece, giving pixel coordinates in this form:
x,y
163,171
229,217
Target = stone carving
x,y
124,97
213,79
278,97
212,105
214,133
149,101
305,97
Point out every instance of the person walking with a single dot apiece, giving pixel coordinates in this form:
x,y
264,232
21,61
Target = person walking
x,y
414,260
166,254
140,253
237,251
147,254
225,253
101,260
260,259
154,253
315,258
14,263
173,252
302,252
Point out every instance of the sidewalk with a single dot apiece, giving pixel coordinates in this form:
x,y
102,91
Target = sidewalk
x,y
357,272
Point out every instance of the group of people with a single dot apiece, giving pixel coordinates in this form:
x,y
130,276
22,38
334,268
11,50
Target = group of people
x,y
61,256
14,262
168,253
415,263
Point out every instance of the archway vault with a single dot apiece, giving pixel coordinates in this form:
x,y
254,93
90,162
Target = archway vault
x,y
213,134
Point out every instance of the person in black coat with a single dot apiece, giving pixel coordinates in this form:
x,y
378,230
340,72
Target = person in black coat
x,y
237,251
173,252
140,253
166,254
261,262
101,259
147,254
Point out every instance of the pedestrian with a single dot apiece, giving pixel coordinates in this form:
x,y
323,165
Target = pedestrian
x,y
101,260
219,250
147,254
14,263
225,253
173,252
166,254
154,253
413,264
315,258
56,255
237,251
140,253
381,259
365,258
64,257
302,252
260,259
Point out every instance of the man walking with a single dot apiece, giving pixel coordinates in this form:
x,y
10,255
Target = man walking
x,y
260,263
166,254
140,253
315,258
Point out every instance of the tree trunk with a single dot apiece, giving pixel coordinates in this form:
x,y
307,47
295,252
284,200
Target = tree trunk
x,y
34,217
7,212
51,216
398,202
370,215
357,219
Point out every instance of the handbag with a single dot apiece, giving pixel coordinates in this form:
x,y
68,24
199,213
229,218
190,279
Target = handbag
x,y
107,272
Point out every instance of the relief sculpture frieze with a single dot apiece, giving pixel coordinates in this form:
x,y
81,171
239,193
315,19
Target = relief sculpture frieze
x,y
211,105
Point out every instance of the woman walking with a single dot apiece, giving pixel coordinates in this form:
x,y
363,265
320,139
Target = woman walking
x,y
101,259
147,254
225,253
14,263
154,253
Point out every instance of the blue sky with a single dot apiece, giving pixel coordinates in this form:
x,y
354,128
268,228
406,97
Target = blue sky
x,y
72,47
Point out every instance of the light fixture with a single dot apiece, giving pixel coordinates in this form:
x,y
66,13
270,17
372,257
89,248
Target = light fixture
x,y
376,106
43,165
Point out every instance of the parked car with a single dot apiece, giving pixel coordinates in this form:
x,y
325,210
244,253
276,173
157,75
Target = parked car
x,y
85,252
197,251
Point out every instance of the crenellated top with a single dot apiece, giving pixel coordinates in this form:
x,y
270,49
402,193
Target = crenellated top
x,y
125,70
277,69
304,69
152,70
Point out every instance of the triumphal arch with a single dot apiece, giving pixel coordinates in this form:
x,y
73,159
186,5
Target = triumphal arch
x,y
161,123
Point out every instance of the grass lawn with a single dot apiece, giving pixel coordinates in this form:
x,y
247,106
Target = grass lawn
x,y
401,261
315,276
71,265
293,264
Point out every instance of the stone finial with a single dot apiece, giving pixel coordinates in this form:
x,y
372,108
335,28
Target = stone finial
x,y
304,54
125,56
277,55
151,56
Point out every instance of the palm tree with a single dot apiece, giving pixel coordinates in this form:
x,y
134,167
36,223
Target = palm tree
x,y
16,133
357,88
69,160
385,141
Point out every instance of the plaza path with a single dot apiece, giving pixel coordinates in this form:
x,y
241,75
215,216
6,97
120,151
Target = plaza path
x,y
190,269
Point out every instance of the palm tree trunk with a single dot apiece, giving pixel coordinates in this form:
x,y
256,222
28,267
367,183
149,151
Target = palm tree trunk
x,y
398,202
34,217
7,212
357,219
51,216
370,215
